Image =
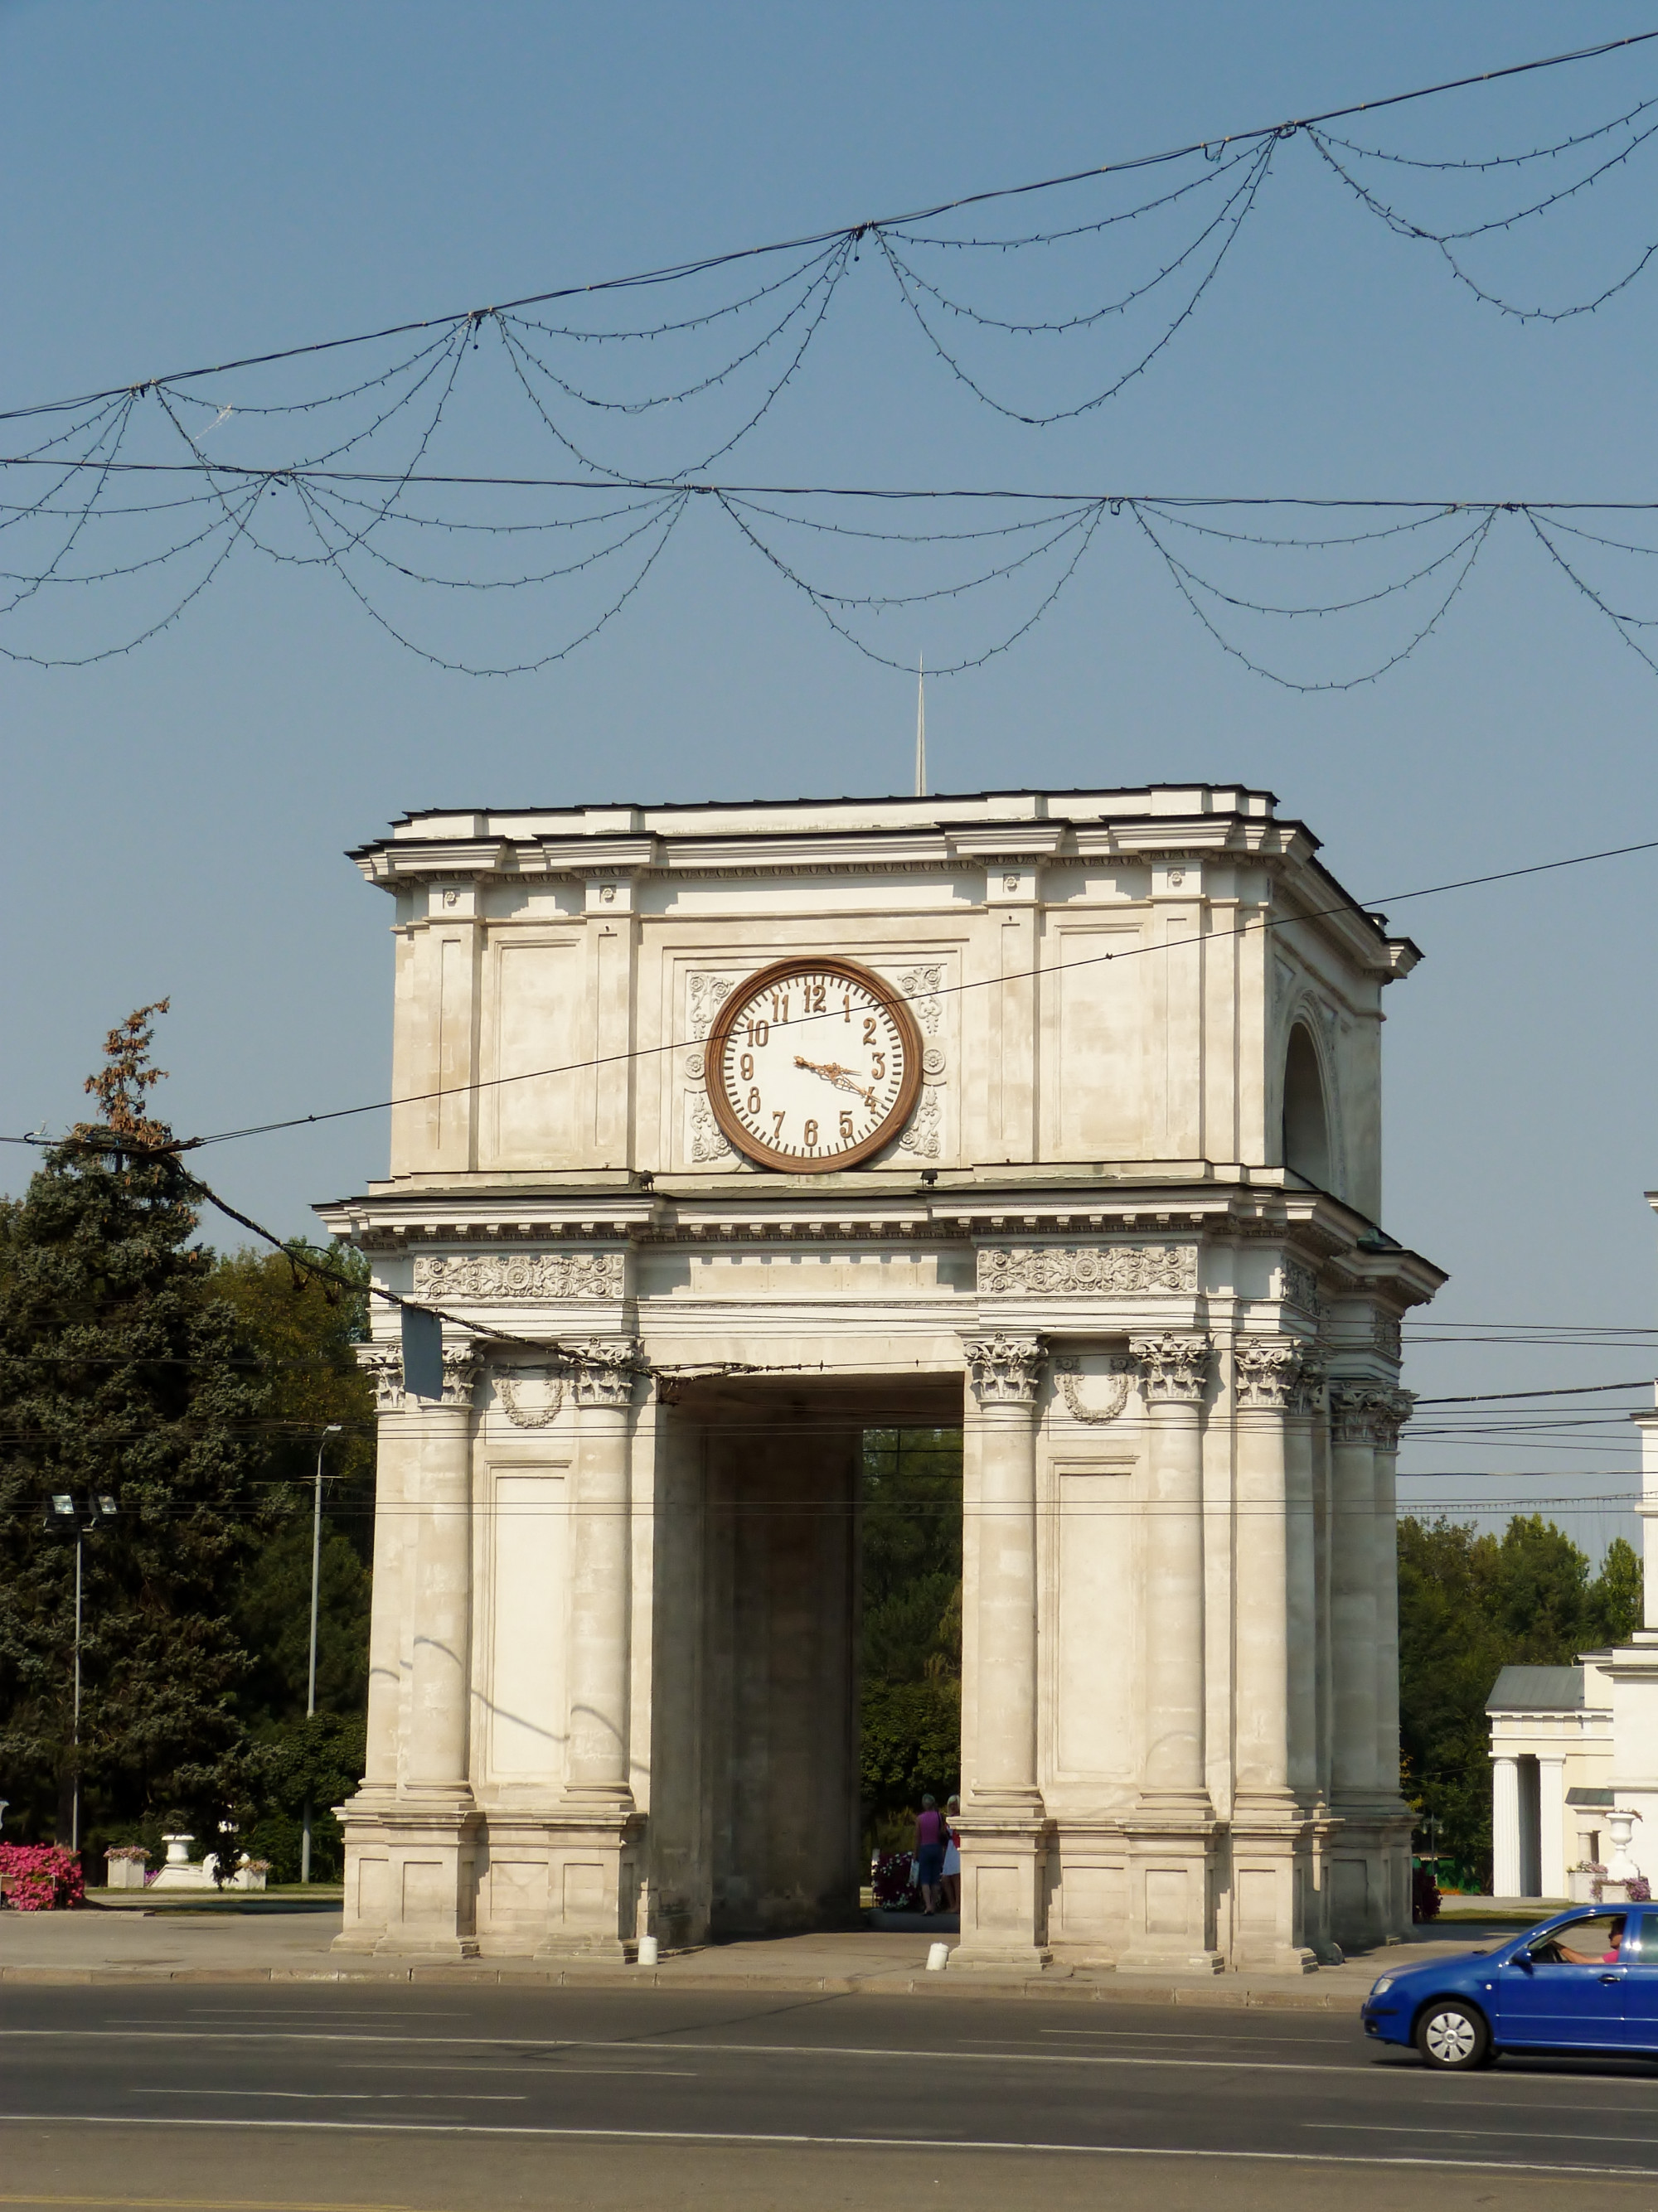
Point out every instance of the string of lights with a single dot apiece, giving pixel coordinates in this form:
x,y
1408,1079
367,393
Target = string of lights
x,y
366,524
1217,151
436,381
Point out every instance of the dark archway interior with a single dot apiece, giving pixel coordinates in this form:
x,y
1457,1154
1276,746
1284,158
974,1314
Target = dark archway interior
x,y
1306,1125
789,1767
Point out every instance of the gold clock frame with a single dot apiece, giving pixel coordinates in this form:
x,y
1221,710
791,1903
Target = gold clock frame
x,y
719,1037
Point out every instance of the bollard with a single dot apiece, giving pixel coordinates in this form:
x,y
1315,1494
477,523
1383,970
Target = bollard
x,y
938,1958
647,1950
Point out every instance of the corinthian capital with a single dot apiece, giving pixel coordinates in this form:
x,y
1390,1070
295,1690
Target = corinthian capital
x,y
463,1364
1268,1369
383,1364
1174,1369
1005,1370
1369,1413
605,1370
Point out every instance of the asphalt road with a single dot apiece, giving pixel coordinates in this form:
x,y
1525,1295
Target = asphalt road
x,y
244,2095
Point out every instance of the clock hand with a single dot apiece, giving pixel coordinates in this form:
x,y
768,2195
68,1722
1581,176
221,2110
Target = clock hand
x,y
841,1077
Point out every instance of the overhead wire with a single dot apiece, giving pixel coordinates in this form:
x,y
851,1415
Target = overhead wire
x,y
1347,908
701,265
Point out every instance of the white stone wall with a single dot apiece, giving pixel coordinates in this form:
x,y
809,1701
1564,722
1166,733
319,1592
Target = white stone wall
x,y
598,1664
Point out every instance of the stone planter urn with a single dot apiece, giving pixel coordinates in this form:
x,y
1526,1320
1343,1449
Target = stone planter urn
x,y
124,1873
178,1872
1620,1867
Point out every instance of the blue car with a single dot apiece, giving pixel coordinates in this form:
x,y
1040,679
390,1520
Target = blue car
x,y
1587,1980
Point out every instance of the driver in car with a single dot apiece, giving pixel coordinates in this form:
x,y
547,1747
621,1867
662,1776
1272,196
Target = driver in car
x,y
1608,1958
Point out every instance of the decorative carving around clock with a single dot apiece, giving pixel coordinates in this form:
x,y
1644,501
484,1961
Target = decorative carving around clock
x,y
812,1064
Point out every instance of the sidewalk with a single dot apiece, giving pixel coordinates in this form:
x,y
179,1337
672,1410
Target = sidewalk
x,y
64,1949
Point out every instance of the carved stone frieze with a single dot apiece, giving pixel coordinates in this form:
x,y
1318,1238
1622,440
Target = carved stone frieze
x,y
921,1131
1005,1370
706,995
1388,1335
503,1277
1087,1269
383,1364
1068,1374
1174,1369
1298,1286
921,986
708,1140
1269,1368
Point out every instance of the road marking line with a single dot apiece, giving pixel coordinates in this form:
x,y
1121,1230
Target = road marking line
x,y
928,2057
350,2096
1535,2134
830,2143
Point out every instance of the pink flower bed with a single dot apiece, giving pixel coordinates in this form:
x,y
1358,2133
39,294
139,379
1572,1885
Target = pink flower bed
x,y
40,1878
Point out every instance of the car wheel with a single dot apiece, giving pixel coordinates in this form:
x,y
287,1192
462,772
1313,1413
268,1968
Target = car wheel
x,y
1453,2036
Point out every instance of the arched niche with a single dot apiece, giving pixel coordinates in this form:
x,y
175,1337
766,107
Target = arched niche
x,y
1306,1120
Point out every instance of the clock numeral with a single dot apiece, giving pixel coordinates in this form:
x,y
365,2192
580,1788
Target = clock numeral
x,y
811,1133
814,998
760,1034
780,1006
847,1003
846,1128
754,1100
745,1067
878,1072
869,1028
777,1120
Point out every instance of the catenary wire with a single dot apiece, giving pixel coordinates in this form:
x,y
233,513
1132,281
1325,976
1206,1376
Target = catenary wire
x,y
675,271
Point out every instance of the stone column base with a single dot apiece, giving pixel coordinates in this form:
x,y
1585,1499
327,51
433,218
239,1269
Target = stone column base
x,y
410,1883
1370,1873
1171,1895
1273,1905
1002,1891
1323,1832
592,1882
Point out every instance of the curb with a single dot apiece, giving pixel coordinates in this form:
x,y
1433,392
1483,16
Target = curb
x,y
1207,1996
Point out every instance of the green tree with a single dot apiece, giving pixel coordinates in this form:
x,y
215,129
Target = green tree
x,y
304,1329
122,1376
911,1556
1469,1606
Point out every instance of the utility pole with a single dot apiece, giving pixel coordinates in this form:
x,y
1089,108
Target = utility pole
x,y
333,1429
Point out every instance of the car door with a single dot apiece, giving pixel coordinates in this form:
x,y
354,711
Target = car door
x,y
1565,1990
1640,1958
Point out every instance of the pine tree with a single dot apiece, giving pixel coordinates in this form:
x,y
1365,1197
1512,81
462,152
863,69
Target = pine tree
x,y
122,1376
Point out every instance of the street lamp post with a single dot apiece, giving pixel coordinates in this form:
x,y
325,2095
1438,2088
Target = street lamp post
x,y
63,1518
333,1429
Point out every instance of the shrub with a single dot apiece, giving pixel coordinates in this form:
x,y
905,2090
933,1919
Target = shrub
x,y
892,1880
42,1877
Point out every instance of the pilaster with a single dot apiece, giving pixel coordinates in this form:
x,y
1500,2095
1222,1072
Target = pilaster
x,y
1271,1873
592,1832
1004,1826
411,1846
1172,1828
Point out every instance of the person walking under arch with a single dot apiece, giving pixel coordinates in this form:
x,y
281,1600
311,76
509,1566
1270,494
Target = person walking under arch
x,y
930,1833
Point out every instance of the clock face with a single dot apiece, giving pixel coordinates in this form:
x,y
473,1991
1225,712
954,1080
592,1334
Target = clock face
x,y
812,1065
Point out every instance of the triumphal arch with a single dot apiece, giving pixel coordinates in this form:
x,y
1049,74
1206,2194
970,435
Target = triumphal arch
x,y
728,1132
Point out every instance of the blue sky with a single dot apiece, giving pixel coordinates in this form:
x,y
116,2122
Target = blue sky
x,y
185,183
